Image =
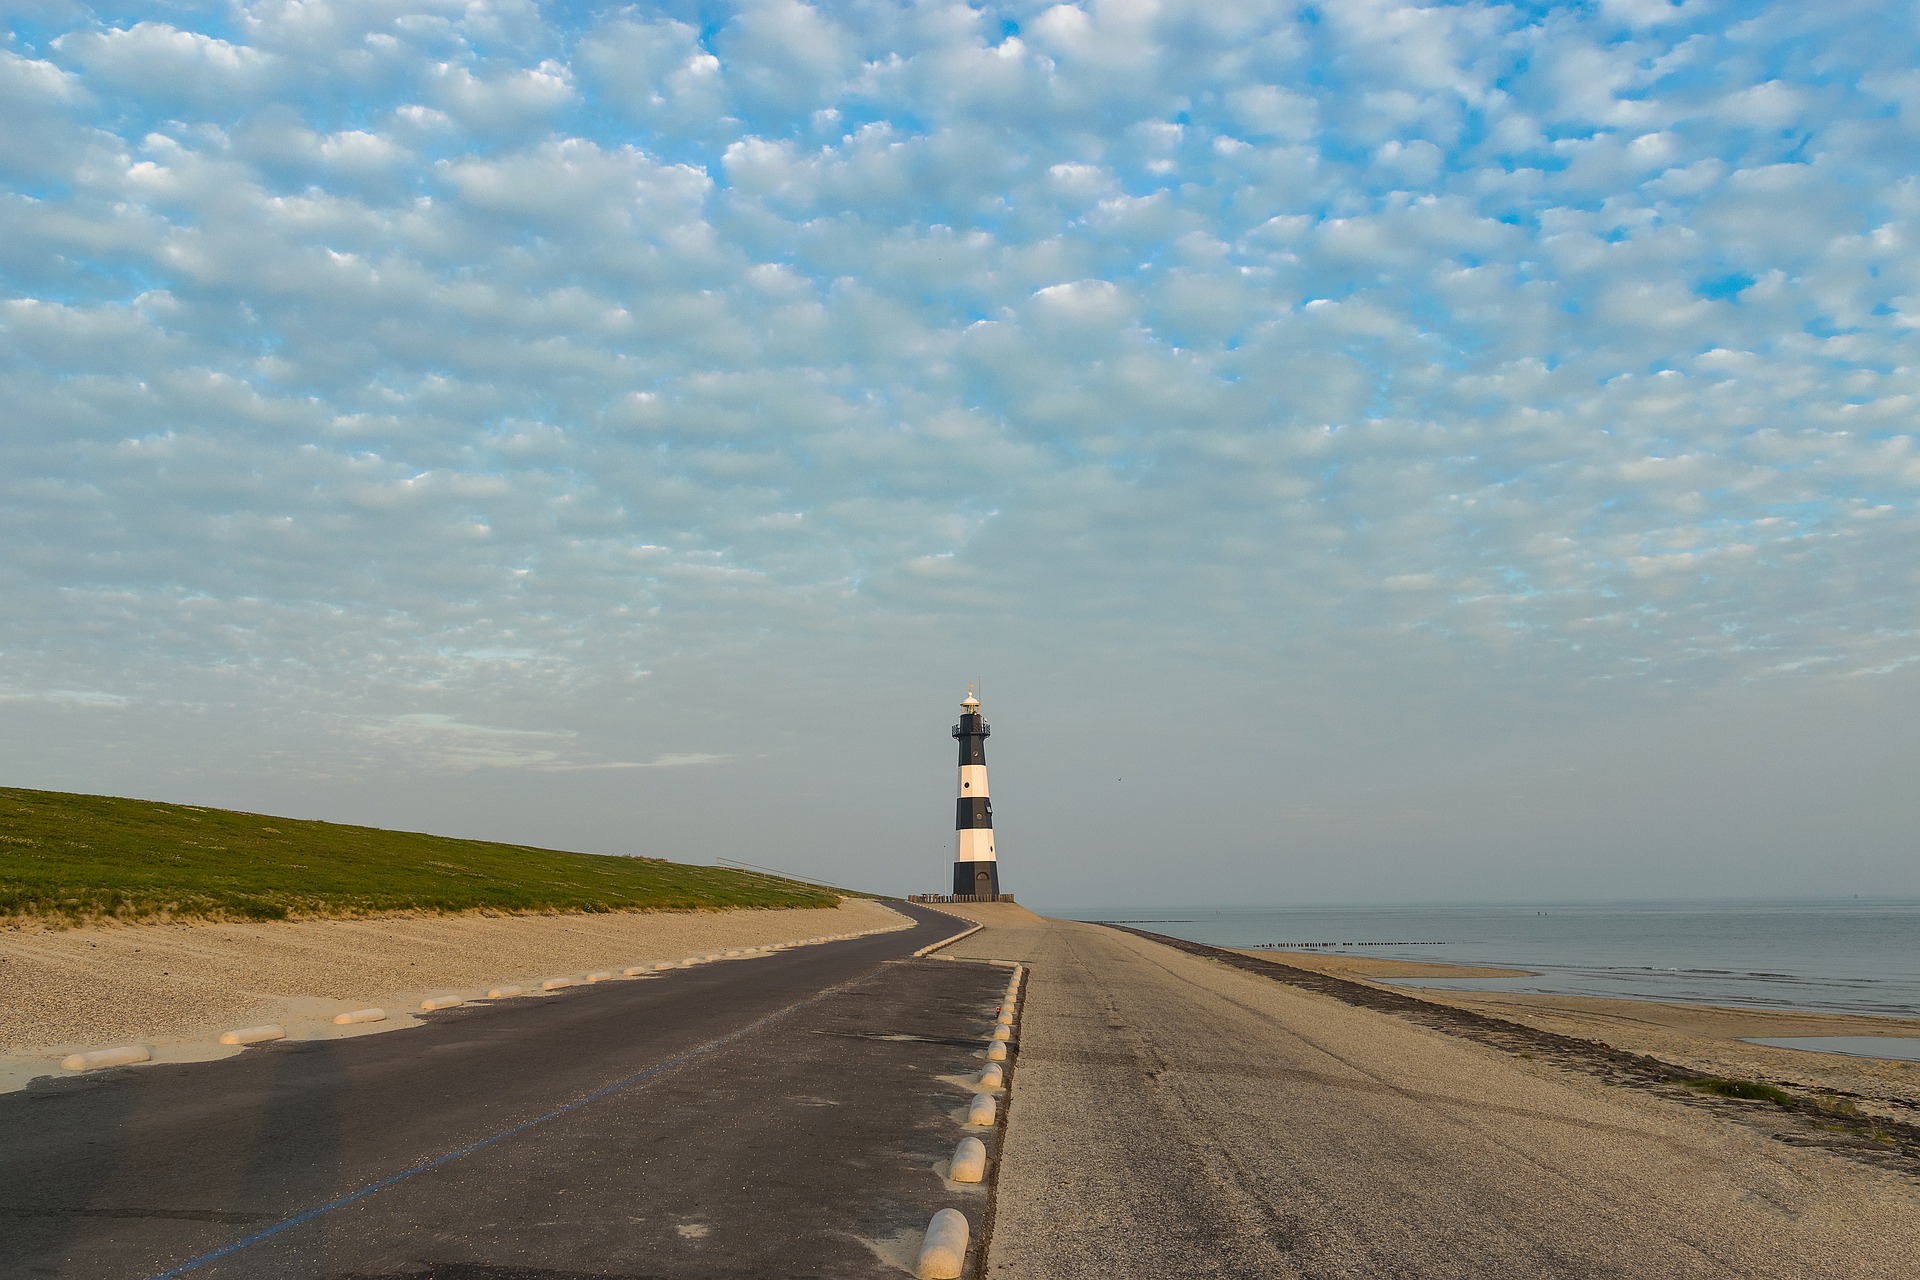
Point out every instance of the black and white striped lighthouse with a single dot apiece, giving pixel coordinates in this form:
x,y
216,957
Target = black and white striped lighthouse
x,y
975,871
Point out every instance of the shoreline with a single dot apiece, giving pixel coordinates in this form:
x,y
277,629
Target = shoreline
x,y
1711,1039
176,987
1345,964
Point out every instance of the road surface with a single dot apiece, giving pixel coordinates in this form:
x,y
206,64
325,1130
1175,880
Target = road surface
x,y
778,1116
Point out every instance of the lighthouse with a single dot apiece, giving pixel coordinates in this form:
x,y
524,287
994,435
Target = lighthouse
x,y
975,872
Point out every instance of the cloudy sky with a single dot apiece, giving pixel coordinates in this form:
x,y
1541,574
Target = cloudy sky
x,y
1367,452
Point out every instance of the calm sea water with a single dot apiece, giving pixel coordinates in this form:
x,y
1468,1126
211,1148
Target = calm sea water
x,y
1851,956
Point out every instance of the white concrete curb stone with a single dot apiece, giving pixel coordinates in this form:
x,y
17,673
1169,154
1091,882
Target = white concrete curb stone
x,y
930,948
993,1077
601,975
1002,1033
124,1056
981,1113
554,984
997,1052
944,1251
359,1015
969,1161
440,1002
501,993
254,1035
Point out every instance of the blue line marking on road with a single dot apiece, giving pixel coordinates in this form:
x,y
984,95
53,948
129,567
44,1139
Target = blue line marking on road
x,y
300,1219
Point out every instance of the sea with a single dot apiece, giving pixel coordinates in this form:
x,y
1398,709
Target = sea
x,y
1852,955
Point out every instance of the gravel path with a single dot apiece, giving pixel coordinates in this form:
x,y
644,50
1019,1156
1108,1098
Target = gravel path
x,y
1175,1116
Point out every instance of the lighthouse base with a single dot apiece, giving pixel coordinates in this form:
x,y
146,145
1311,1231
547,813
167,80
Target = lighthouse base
x,y
976,879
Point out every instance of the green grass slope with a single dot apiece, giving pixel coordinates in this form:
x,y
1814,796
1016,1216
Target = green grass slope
x,y
77,858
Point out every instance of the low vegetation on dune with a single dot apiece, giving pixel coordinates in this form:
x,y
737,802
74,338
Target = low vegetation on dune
x,y
1746,1090
74,858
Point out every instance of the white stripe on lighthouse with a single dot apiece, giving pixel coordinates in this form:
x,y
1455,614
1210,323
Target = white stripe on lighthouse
x,y
973,844
973,780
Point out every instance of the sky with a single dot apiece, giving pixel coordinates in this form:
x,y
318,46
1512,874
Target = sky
x,y
1364,452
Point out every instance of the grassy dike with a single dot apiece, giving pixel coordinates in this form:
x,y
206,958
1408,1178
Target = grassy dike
x,y
75,858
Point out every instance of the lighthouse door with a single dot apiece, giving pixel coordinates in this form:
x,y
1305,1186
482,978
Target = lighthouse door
x,y
982,882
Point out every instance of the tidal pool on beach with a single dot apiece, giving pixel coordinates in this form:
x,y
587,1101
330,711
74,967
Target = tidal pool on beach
x,y
1901,1048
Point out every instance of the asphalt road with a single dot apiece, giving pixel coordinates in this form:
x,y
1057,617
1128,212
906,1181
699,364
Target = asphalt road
x,y
779,1116
1178,1117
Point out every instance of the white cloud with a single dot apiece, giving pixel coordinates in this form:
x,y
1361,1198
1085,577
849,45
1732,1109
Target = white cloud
x,y
37,100
658,72
511,103
784,56
565,184
439,741
167,67
352,345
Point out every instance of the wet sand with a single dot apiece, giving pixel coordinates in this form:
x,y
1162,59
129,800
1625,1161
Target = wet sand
x,y
176,987
1706,1038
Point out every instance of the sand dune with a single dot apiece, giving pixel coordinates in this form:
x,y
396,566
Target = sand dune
x,y
177,986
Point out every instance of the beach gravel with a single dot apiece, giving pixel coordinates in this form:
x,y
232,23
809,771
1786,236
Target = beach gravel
x,y
1173,1116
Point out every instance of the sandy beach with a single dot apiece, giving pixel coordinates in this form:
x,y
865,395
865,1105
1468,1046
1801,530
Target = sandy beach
x,y
1707,1038
176,987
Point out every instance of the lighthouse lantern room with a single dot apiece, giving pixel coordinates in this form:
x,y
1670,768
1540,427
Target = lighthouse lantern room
x,y
976,872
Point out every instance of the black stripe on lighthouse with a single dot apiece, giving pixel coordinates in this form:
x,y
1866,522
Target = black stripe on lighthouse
x,y
972,811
